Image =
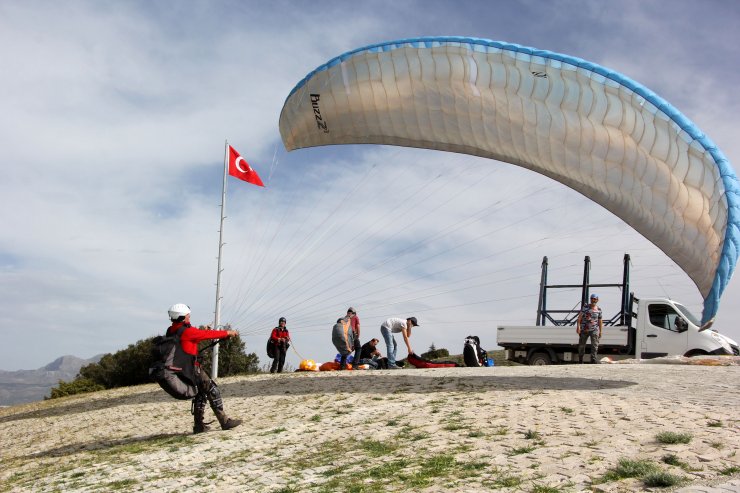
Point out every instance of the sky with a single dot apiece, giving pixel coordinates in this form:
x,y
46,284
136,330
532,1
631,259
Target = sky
x,y
112,130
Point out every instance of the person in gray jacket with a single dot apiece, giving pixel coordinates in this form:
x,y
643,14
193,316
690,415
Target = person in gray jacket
x,y
343,339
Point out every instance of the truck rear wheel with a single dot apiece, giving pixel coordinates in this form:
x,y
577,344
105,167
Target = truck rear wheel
x,y
539,359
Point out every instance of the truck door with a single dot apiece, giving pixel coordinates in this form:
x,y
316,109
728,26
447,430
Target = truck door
x,y
665,332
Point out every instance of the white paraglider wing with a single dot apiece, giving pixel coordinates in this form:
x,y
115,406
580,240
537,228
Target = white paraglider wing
x,y
590,128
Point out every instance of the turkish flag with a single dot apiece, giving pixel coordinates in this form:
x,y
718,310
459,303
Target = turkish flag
x,y
239,168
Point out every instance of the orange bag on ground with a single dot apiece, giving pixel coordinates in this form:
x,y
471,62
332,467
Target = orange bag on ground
x,y
329,366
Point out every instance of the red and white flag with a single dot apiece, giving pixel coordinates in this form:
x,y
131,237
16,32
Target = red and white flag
x,y
239,168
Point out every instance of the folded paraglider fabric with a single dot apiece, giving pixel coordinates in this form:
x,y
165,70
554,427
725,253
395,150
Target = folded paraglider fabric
x,y
420,362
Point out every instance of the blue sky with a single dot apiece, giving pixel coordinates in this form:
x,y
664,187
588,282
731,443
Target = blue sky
x,y
111,147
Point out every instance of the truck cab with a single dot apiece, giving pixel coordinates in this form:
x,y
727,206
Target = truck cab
x,y
666,327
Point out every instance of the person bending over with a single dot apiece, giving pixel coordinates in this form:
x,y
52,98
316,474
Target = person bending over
x,y
395,326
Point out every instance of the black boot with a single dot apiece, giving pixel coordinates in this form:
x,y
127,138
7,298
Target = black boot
x,y
217,405
199,409
343,362
226,422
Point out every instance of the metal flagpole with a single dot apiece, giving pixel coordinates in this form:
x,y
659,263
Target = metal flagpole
x,y
217,317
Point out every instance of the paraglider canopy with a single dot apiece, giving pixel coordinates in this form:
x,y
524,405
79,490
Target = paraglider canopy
x,y
588,127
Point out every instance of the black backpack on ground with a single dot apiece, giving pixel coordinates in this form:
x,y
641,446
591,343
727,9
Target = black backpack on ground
x,y
471,351
173,368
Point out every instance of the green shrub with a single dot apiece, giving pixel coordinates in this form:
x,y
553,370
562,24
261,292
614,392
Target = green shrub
x,y
434,353
77,386
130,366
661,479
232,359
628,468
673,460
532,435
521,450
541,488
671,437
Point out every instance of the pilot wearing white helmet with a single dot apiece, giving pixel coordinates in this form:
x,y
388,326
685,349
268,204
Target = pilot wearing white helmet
x,y
207,389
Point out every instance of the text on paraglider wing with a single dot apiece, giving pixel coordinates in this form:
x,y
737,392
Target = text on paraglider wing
x,y
317,113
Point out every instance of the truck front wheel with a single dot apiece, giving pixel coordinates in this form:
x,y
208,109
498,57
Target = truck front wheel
x,y
539,359
695,352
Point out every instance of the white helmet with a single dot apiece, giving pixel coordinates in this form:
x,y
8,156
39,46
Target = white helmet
x,y
178,310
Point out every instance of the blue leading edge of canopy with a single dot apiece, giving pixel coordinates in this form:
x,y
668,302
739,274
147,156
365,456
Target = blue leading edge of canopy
x,y
731,248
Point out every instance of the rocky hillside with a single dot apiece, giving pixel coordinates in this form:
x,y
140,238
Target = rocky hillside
x,y
21,386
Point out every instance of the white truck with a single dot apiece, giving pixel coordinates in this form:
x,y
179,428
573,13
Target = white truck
x,y
661,327
644,329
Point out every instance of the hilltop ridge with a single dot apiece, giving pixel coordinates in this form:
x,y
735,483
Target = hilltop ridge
x,y
21,386
517,428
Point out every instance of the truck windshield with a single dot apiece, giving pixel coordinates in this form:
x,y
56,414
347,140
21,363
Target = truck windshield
x,y
686,313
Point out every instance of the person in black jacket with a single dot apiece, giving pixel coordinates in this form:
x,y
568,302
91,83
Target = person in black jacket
x,y
370,355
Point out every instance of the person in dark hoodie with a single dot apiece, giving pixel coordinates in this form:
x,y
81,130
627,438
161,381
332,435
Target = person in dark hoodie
x,y
207,389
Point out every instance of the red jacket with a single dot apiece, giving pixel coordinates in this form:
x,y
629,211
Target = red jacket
x,y
354,322
278,335
192,336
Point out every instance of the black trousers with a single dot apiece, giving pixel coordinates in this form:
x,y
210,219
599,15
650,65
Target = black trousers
x,y
207,392
358,349
202,380
279,361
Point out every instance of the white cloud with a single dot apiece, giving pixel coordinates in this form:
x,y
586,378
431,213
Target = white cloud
x,y
111,136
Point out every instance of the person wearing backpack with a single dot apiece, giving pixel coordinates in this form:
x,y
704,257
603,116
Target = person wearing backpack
x,y
343,339
207,389
280,340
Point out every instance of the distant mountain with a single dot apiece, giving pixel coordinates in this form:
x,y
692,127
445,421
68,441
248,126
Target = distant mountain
x,y
69,363
18,387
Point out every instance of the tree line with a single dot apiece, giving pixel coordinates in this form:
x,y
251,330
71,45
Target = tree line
x,y
130,366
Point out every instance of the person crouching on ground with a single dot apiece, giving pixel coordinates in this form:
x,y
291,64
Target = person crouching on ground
x,y
207,389
394,326
343,337
280,338
369,355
